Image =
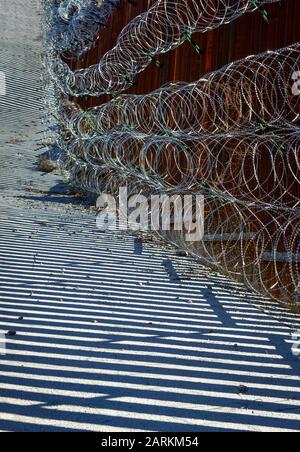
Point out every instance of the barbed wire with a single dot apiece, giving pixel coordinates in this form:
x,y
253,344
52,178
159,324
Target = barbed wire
x,y
232,136
251,169
255,93
75,24
251,242
165,26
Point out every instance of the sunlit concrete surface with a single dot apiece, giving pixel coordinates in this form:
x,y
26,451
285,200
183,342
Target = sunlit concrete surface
x,y
114,333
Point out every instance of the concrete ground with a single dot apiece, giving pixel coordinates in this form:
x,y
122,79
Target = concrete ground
x,y
114,333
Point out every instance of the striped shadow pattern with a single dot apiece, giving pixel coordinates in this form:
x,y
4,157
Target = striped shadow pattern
x,y
105,332
109,339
